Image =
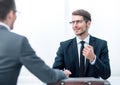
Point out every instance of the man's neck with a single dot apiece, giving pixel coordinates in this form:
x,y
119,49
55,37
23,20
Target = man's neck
x,y
82,37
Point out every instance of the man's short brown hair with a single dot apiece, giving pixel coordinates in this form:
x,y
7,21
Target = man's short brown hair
x,y
81,12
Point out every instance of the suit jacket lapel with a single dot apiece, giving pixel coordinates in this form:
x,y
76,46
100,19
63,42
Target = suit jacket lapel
x,y
92,42
75,53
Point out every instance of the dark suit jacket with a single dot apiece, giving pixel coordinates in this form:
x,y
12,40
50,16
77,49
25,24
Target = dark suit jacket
x,y
16,51
67,57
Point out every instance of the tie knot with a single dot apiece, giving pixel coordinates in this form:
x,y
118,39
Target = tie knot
x,y
82,42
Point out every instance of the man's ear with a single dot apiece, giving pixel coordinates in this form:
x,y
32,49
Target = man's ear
x,y
10,15
88,24
10,19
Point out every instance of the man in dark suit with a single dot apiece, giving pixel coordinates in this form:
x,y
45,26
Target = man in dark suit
x,y
95,52
16,51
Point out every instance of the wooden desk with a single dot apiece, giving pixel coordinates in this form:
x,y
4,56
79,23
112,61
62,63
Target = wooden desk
x,y
81,81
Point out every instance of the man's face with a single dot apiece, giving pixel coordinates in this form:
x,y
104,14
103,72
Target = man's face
x,y
80,27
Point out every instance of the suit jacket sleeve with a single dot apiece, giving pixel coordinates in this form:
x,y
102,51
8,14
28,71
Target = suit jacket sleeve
x,y
59,59
37,66
102,63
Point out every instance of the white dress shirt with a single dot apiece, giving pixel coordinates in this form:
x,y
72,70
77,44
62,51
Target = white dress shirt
x,y
87,39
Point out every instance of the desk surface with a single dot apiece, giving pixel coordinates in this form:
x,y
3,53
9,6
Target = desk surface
x,y
114,80
82,81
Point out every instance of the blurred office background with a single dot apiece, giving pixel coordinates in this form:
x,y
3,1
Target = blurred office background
x,y
46,23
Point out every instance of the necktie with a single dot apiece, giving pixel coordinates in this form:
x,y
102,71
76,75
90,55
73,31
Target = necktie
x,y
82,59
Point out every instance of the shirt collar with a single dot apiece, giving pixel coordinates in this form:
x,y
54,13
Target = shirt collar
x,y
86,39
3,24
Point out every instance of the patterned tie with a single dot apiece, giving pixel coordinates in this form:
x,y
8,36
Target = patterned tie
x,y
82,59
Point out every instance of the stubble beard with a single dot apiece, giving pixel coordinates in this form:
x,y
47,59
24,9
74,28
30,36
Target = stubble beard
x,y
82,33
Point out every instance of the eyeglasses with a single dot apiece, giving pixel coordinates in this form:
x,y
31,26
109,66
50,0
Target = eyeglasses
x,y
76,21
16,12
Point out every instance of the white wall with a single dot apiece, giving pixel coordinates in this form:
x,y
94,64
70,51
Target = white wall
x,y
45,24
